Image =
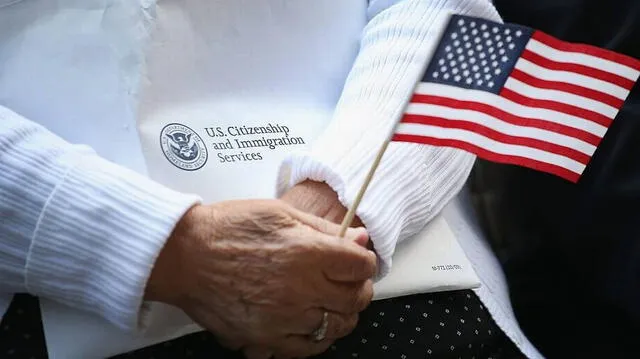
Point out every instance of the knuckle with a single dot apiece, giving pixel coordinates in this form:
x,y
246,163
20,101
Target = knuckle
x,y
344,325
351,302
325,226
363,297
352,322
364,266
312,320
371,264
368,289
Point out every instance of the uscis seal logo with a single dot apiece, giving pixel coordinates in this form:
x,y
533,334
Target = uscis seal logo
x,y
183,147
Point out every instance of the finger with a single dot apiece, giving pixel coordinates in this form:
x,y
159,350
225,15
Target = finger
x,y
356,234
258,352
363,241
299,346
347,298
339,325
339,260
326,226
347,261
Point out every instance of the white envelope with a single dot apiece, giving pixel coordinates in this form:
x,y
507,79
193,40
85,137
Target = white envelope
x,y
432,261
188,93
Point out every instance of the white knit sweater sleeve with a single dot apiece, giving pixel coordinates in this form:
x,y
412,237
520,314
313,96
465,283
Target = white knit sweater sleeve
x,y
413,182
76,228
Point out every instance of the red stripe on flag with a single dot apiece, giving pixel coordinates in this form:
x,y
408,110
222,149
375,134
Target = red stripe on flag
x,y
507,117
499,136
578,69
586,49
556,106
566,87
491,156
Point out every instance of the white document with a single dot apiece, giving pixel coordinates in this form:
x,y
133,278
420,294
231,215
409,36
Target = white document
x,y
203,130
430,262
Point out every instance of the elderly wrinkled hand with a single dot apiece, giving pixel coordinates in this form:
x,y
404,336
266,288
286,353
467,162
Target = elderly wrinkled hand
x,y
318,199
262,274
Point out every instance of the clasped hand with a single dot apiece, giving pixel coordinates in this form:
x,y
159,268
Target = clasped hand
x,y
260,274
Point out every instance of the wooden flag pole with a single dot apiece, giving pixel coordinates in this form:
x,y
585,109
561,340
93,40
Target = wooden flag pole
x,y
348,218
351,213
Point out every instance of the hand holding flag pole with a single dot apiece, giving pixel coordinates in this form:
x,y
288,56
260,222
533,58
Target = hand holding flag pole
x,y
513,95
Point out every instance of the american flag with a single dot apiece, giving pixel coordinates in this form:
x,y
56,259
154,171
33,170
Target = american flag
x,y
515,95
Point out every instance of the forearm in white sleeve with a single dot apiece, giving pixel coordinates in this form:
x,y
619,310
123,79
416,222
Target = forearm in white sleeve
x,y
414,182
76,228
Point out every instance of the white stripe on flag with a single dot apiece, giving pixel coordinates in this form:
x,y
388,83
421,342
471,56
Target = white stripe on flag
x,y
490,145
582,59
573,78
427,88
496,124
560,96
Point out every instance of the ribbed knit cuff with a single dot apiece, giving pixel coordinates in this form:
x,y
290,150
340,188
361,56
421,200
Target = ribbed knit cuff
x,y
98,238
413,182
76,228
410,187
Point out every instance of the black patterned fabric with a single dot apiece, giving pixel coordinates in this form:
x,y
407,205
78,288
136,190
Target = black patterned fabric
x,y
21,334
440,325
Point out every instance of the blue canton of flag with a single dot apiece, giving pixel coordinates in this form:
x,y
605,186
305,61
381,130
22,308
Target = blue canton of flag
x,y
477,54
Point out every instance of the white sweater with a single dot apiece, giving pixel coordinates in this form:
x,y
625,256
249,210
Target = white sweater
x,y
84,229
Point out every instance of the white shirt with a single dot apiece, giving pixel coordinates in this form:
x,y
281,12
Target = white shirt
x,y
82,225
